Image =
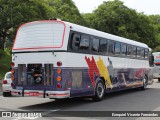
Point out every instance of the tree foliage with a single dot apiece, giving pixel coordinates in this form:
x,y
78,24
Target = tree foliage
x,y
13,13
111,17
66,10
115,18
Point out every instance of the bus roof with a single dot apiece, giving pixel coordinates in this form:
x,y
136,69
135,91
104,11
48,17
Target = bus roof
x,y
97,33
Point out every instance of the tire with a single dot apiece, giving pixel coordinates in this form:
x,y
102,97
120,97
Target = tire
x,y
6,94
144,83
99,91
158,79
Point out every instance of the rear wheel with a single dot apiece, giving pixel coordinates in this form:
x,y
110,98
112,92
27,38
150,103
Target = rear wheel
x,y
158,79
99,91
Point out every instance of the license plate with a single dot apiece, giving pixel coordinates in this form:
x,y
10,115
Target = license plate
x,y
34,94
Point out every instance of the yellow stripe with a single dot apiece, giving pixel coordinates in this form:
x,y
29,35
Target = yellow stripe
x,y
104,72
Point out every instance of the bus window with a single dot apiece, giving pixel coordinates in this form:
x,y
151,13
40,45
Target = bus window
x,y
146,53
124,49
75,41
84,44
117,48
138,52
134,52
142,53
95,44
111,47
103,46
129,50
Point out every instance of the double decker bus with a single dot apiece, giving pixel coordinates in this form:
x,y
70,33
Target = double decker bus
x,y
58,59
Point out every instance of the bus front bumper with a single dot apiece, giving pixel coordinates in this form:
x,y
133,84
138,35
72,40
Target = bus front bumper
x,y
41,94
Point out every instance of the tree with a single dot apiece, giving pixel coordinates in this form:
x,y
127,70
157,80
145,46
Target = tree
x,y
66,10
115,18
156,24
13,13
88,17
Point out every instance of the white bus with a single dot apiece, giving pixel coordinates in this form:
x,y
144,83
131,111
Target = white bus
x,y
58,59
156,69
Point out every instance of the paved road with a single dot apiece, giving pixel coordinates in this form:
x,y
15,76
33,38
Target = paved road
x,y
130,100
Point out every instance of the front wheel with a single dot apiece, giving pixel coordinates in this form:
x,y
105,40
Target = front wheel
x,y
144,83
99,91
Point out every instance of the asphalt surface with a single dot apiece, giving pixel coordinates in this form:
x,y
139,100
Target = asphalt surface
x,y
130,100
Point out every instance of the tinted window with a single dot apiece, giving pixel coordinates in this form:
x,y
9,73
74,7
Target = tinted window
x,y
138,52
95,44
142,53
117,48
111,47
124,49
129,50
146,53
103,46
134,51
75,41
84,44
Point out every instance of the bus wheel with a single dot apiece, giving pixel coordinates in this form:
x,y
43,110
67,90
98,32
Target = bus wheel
x,y
158,79
99,91
144,83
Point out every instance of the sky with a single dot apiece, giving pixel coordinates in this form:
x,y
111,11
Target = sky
x,y
148,7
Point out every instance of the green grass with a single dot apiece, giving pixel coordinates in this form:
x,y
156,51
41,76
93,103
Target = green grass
x,y
5,63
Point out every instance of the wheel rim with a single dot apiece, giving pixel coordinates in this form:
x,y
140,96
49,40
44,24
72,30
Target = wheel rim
x,y
100,90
